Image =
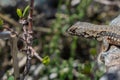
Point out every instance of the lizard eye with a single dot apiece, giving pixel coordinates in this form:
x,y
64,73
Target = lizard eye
x,y
72,30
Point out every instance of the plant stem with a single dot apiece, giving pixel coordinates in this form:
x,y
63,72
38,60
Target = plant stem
x,y
14,51
30,15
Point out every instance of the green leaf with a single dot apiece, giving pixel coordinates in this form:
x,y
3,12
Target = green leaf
x,y
46,60
1,22
87,68
26,11
93,51
11,78
19,13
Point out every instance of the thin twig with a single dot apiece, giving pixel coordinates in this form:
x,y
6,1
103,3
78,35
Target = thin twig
x,y
30,15
42,29
14,51
8,19
27,38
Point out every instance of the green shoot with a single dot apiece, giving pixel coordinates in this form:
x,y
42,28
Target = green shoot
x,y
19,13
46,60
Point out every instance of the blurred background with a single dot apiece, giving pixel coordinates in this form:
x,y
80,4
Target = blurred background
x,y
72,58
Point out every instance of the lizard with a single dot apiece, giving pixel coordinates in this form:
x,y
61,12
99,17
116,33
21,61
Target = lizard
x,y
108,34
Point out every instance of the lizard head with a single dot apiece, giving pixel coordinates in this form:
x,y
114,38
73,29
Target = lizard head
x,y
78,29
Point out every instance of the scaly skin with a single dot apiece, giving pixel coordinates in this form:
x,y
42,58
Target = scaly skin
x,y
99,32
108,34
